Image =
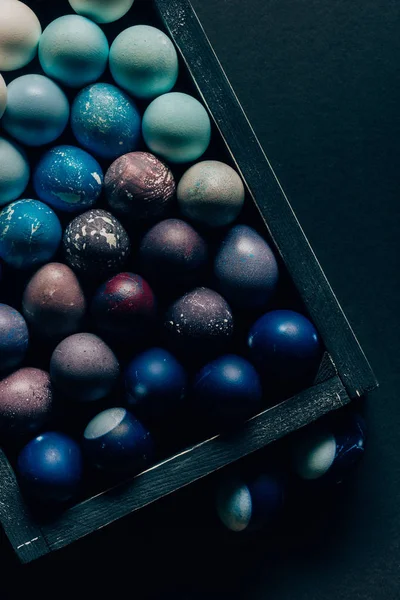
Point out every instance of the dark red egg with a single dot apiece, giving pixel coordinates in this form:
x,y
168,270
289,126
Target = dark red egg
x,y
124,308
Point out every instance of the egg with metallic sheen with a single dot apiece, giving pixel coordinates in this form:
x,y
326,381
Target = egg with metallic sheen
x,y
14,338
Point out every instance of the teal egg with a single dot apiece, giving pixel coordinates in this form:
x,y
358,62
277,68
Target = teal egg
x,y
177,127
30,234
144,62
14,171
102,11
73,50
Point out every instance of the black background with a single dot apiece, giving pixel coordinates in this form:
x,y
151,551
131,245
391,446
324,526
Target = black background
x,y
320,82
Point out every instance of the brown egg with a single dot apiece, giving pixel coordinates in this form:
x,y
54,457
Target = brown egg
x,y
53,302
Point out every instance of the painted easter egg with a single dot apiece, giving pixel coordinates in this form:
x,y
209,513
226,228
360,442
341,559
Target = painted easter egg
x,y
14,338
102,11
3,96
20,32
14,173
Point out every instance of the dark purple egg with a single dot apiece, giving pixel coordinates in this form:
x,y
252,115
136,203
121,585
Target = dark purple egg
x,y
26,402
173,252
84,368
14,338
139,186
246,269
201,322
124,307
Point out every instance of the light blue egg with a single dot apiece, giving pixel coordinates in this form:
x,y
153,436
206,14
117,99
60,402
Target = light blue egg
x,y
106,121
14,171
144,62
68,179
177,127
30,233
37,110
73,50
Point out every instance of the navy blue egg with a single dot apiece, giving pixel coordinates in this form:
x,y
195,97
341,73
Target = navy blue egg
x,y
14,338
251,503
68,179
106,121
115,440
246,269
284,345
50,467
155,384
227,390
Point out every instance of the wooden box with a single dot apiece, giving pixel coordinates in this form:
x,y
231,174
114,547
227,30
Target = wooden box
x,y
344,374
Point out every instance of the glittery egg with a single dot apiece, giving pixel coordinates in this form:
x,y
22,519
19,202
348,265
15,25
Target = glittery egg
x,y
96,244
116,441
14,173
139,186
14,338
26,402
73,50
211,193
102,11
173,252
177,127
3,96
20,32
37,110
68,179
144,62
50,467
245,268
30,233
201,322
84,368
124,308
53,302
106,121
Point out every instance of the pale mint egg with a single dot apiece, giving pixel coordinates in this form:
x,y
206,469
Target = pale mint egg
x,y
3,96
102,11
14,172
20,32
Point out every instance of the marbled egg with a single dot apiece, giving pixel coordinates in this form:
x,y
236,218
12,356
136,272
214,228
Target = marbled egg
x,y
246,269
102,11
144,62
73,50
3,96
84,368
53,302
201,322
106,121
14,338
26,402
138,186
96,244
30,233
124,308
20,32
177,127
68,179
37,110
14,172
211,193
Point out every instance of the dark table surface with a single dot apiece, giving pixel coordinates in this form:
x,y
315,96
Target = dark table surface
x,y
320,82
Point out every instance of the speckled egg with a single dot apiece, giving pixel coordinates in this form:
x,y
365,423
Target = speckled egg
x,y
20,32
14,173
73,50
139,186
3,96
53,302
106,121
30,234
173,252
211,193
177,127
201,322
144,62
245,269
68,179
14,338
124,308
95,244
102,11
37,110
84,368
26,402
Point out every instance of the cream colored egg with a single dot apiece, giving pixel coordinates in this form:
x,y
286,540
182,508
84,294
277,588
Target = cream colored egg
x,y
20,31
3,96
102,11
